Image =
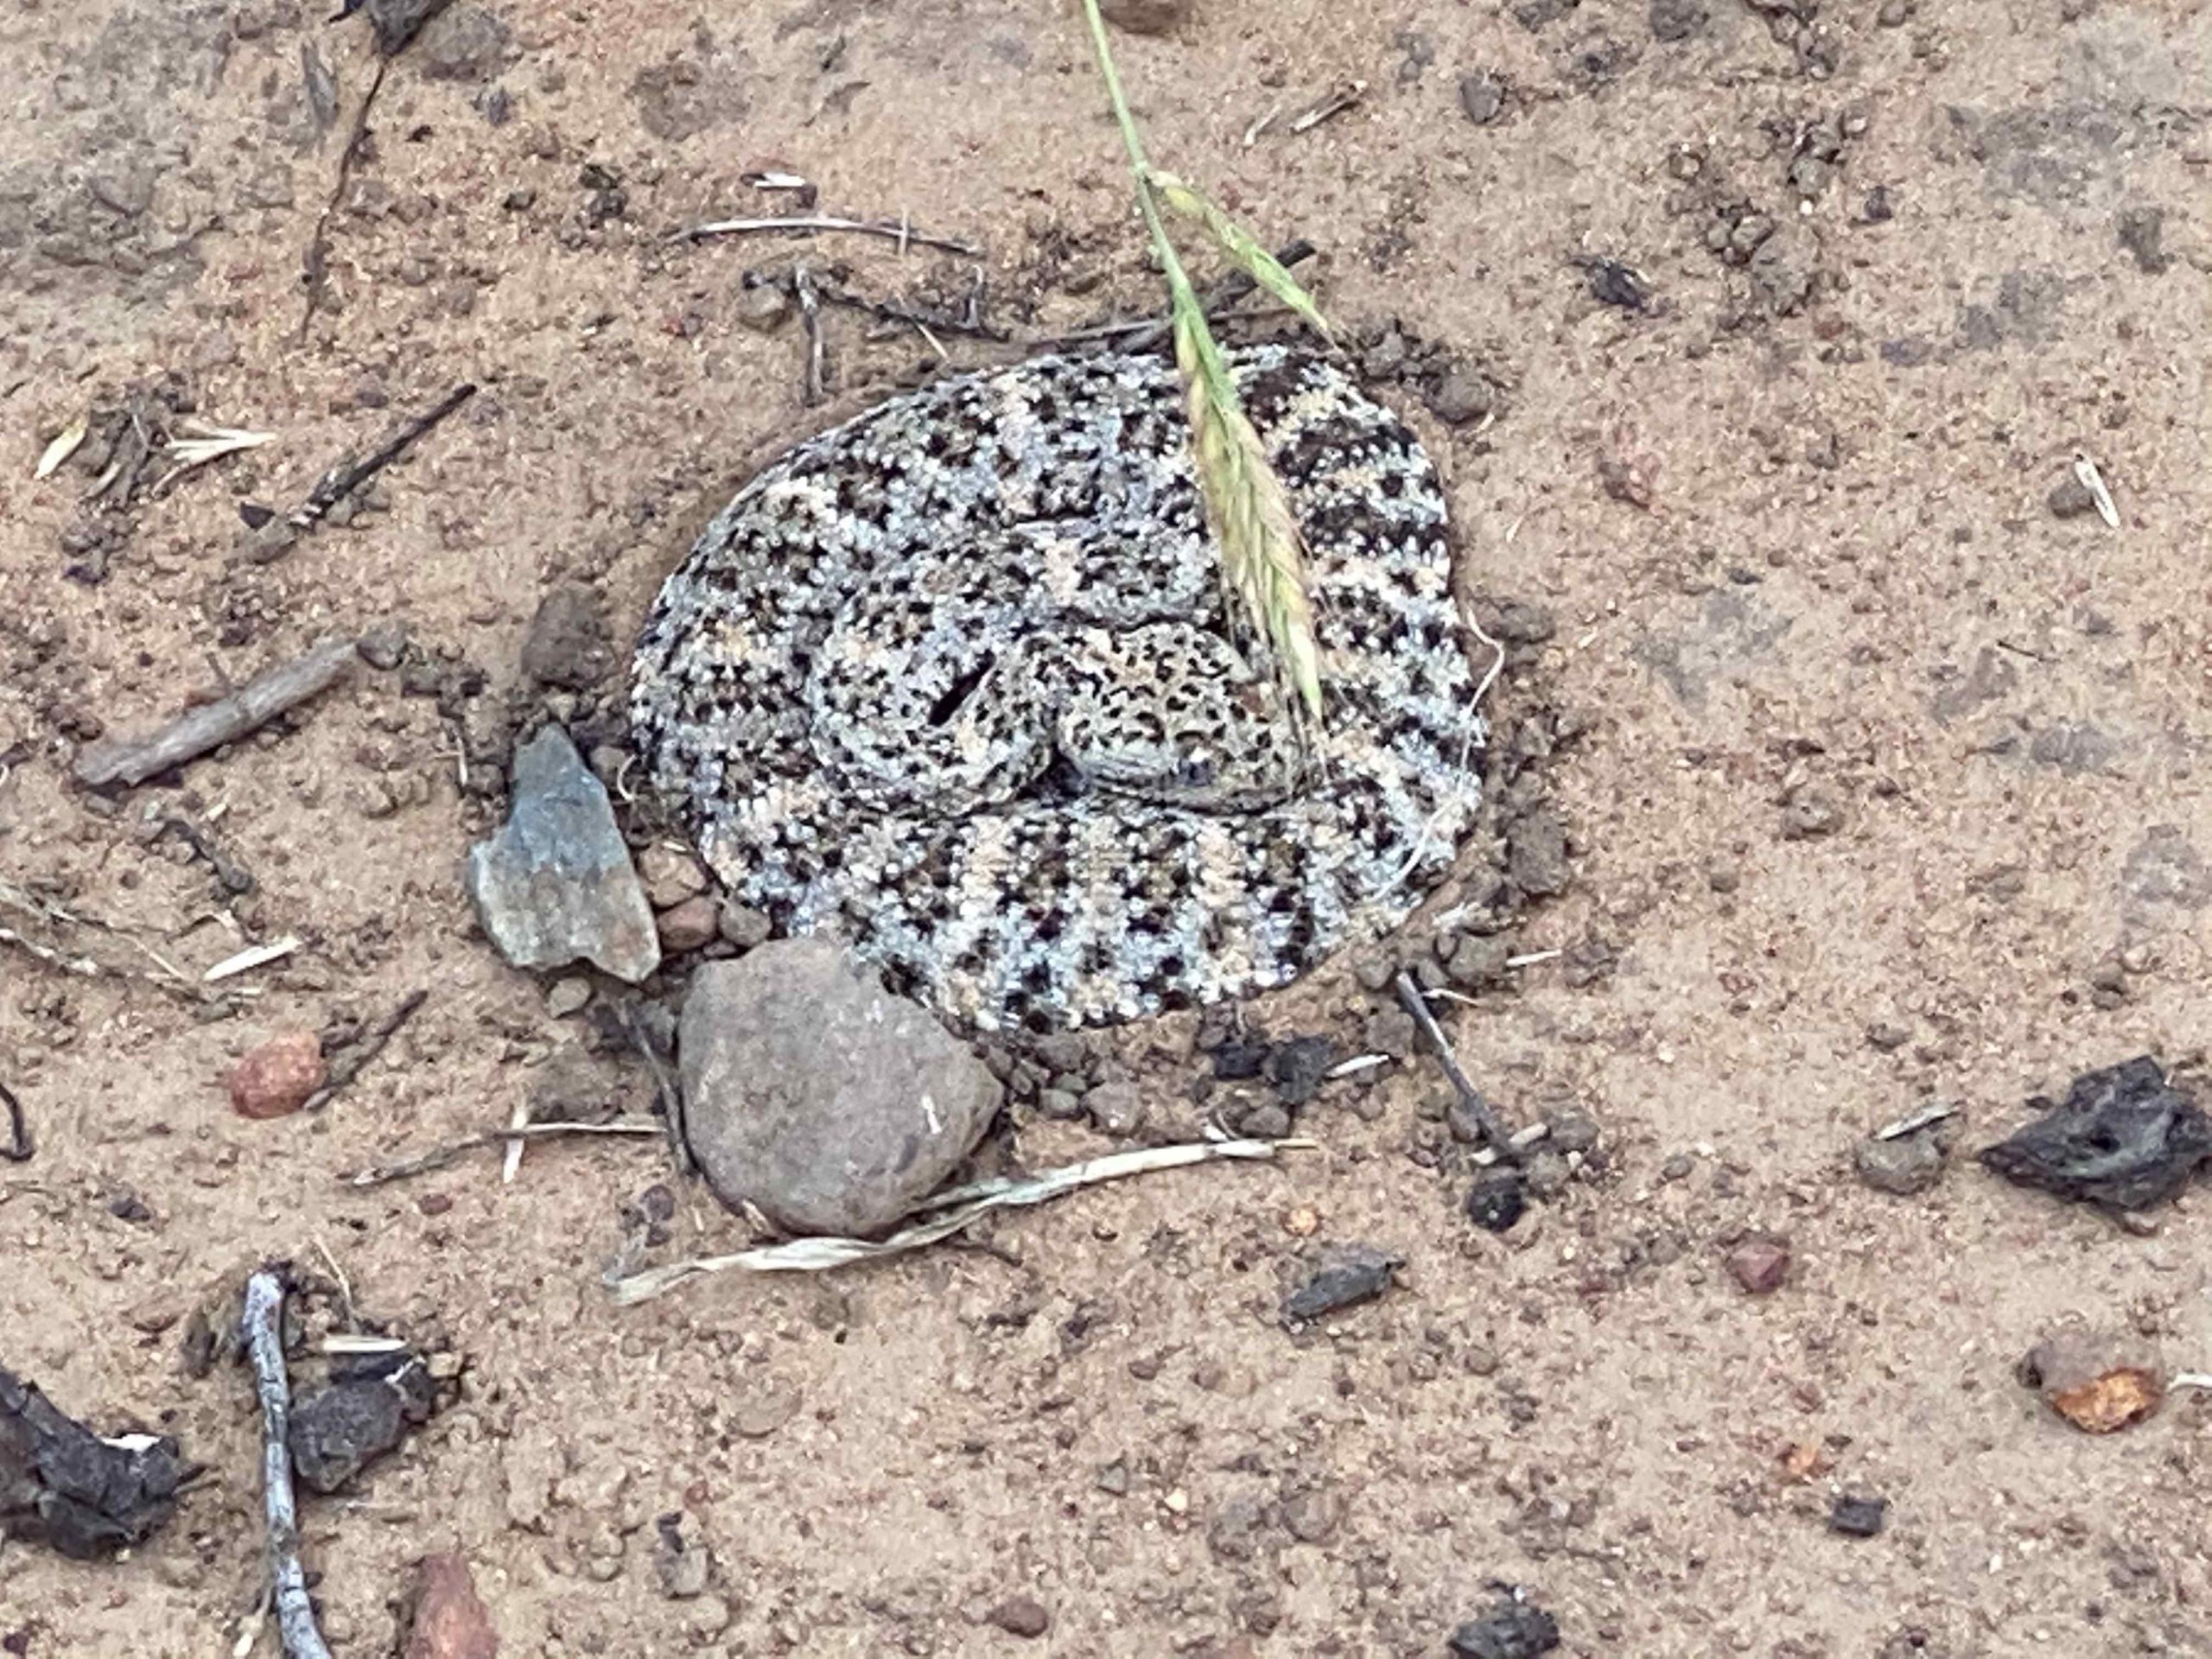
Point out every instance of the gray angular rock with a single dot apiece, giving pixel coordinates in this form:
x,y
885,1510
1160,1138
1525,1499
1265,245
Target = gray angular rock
x,y
555,884
814,1093
1903,1165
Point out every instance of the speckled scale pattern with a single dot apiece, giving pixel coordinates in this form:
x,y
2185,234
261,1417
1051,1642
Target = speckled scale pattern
x,y
957,681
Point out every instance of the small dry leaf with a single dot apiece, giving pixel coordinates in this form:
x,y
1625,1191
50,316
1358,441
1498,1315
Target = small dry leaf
x,y
64,446
2098,1382
2110,1402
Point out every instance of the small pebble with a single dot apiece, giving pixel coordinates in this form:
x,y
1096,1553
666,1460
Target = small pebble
x,y
567,996
2071,498
569,645
1476,963
688,925
1677,1168
1357,1273
275,1078
1268,1121
680,1564
1146,16
764,307
449,1619
671,876
1392,1032
1511,1630
744,926
1482,97
1117,1108
1858,1517
1060,1103
1903,1165
1760,1265
1297,1067
1497,1199
1521,623
1022,1615
1612,283
1573,1129
1812,811
382,646
1547,1174
1462,396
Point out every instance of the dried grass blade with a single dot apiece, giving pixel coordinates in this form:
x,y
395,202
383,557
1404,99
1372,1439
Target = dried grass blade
x,y
65,445
969,1204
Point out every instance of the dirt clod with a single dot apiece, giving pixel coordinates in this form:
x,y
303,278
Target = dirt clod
x,y
1022,1615
274,1077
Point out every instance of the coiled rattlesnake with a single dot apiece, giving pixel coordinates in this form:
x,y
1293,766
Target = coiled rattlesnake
x,y
957,680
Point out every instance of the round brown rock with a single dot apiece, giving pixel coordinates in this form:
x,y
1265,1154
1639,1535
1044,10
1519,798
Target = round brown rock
x,y
1146,16
815,1094
688,925
276,1078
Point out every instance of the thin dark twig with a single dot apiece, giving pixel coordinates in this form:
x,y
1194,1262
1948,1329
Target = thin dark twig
x,y
1143,333
262,1329
891,311
810,315
1486,1119
452,1152
315,264
348,475
348,1064
19,1148
668,1090
900,232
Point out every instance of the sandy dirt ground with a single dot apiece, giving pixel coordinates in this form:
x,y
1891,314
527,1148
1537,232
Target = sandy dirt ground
x,y
1888,786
